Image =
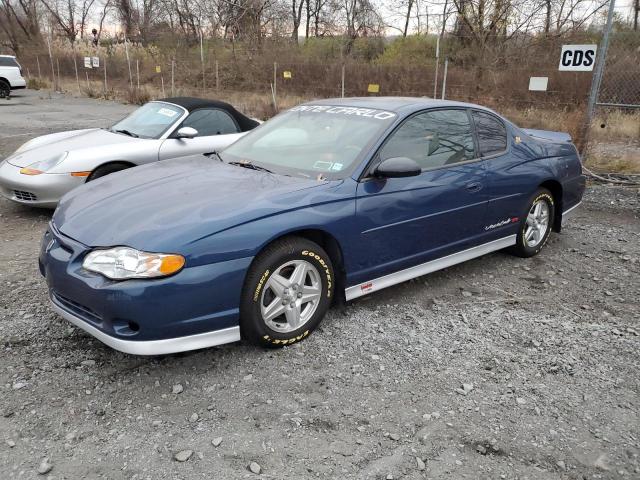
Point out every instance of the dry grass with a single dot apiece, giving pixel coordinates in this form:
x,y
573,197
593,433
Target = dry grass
x,y
614,147
627,163
35,83
616,125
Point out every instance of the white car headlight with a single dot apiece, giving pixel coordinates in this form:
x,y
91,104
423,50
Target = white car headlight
x,y
122,263
43,166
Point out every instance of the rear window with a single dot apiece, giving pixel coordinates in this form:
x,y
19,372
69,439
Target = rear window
x,y
8,62
492,136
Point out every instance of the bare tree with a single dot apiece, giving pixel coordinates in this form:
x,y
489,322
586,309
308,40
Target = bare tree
x,y
296,17
19,22
70,16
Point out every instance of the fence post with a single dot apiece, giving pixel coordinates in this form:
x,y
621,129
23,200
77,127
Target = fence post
x,y
162,83
126,52
173,64
342,82
202,61
435,82
75,66
138,72
88,86
444,80
275,83
38,62
53,73
596,81
104,63
58,70
217,78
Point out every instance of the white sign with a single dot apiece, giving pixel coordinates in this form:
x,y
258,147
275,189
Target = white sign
x,y
95,61
538,84
577,58
87,62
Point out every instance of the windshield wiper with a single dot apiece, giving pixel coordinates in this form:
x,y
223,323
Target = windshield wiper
x,y
214,154
251,166
127,132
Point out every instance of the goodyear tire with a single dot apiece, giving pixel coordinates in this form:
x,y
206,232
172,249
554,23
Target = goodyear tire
x,y
287,292
535,225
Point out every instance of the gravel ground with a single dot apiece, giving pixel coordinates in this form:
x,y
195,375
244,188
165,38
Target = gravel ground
x,y
497,368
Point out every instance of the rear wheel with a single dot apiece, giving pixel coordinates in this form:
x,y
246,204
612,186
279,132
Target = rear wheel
x,y
535,227
287,292
5,89
107,169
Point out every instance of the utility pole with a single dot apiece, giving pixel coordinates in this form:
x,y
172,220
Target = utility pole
x,y
635,15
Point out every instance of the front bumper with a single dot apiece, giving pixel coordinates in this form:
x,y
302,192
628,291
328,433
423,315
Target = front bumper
x,y
196,308
43,190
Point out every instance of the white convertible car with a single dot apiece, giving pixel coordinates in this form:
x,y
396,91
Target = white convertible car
x,y
42,170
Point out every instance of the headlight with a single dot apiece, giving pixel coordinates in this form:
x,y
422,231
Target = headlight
x,y
121,263
43,165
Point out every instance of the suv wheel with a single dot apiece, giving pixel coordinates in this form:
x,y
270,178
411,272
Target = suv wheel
x,y
5,89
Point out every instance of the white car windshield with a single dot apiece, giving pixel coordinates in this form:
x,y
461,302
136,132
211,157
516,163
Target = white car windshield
x,y
149,121
312,141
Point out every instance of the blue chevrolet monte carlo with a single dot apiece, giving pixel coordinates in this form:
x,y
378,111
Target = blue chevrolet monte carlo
x,y
328,201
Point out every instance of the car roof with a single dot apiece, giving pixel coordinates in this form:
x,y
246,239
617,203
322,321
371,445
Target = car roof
x,y
194,103
395,104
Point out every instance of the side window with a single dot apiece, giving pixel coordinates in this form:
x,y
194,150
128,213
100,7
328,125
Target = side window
x,y
211,121
492,135
8,62
433,139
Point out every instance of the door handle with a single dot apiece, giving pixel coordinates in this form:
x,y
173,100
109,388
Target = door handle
x,y
474,187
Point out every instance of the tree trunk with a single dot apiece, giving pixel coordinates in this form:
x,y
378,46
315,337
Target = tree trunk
x,y
407,17
547,21
307,26
635,16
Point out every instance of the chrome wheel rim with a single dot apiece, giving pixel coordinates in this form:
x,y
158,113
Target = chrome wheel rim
x,y
291,296
537,223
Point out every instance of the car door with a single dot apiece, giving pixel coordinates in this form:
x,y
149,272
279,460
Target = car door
x,y
407,221
216,130
508,184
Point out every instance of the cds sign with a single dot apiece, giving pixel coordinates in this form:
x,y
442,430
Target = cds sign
x,y
577,58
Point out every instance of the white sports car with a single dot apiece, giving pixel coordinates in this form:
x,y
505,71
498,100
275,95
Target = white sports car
x,y
42,170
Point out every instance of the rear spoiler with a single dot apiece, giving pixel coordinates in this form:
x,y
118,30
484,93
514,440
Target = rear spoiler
x,y
558,137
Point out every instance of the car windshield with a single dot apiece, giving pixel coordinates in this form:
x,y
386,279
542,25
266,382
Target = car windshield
x,y
312,141
149,121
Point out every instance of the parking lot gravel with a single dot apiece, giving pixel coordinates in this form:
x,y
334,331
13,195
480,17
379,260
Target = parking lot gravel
x,y
500,368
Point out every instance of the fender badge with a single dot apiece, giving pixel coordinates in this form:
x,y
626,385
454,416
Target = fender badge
x,y
366,286
518,139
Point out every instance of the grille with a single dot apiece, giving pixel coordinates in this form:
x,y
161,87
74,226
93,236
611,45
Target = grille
x,y
26,196
77,308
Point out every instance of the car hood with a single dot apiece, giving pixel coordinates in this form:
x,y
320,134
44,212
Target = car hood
x,y
172,203
43,148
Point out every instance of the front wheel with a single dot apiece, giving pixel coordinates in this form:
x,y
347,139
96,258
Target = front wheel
x,y
535,228
5,89
287,292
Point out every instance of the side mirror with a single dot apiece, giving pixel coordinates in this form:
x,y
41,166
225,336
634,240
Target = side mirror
x,y
397,167
187,132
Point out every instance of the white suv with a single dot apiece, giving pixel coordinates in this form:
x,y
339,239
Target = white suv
x,y
10,75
